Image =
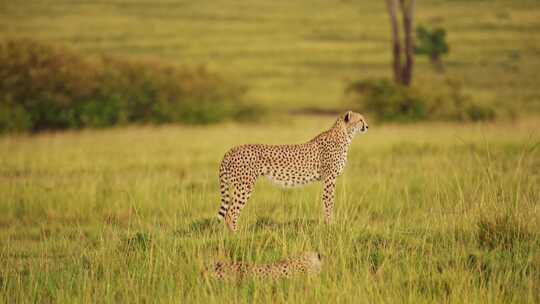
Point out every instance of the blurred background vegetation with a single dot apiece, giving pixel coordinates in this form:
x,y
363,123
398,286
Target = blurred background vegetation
x,y
77,64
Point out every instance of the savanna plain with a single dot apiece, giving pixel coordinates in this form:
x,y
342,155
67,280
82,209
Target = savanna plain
x,y
424,212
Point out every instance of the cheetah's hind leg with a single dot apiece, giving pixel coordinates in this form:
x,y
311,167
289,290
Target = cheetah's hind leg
x,y
241,195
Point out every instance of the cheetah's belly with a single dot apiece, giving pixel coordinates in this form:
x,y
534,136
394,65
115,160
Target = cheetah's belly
x,y
288,180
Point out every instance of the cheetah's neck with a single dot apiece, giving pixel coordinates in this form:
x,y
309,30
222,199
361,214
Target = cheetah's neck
x,y
341,130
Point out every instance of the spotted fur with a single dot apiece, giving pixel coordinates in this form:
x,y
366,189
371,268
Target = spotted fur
x,y
309,263
320,159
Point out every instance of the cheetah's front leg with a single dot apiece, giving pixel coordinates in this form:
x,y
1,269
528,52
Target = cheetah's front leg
x,y
329,187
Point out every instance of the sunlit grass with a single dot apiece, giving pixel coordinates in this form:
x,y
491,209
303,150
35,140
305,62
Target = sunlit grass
x,y
428,212
424,213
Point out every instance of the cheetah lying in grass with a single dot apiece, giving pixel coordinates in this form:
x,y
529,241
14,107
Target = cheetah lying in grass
x,y
308,263
320,159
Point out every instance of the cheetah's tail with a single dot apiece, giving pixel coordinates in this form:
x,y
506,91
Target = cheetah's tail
x,y
224,189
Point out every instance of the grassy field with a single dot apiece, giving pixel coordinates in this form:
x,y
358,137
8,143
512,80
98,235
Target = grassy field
x,y
430,212
299,54
427,212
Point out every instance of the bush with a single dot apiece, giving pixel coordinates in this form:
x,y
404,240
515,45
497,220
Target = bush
x,y
388,101
479,112
392,102
432,43
13,118
44,86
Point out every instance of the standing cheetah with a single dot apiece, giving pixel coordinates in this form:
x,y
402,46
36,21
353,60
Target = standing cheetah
x,y
320,159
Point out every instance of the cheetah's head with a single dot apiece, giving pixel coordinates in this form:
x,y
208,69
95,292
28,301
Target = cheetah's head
x,y
313,260
355,123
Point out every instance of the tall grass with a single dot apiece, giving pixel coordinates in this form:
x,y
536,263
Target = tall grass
x,y
424,213
432,212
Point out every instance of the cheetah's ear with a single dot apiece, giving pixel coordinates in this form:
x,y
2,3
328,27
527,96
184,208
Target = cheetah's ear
x,y
347,117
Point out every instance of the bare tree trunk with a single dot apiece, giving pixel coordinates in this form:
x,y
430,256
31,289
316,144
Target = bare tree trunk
x,y
407,11
402,73
396,45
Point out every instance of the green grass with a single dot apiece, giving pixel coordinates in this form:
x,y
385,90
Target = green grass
x,y
424,213
299,54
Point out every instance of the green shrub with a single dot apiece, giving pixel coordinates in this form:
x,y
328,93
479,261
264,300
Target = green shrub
x,y
44,86
479,112
389,101
392,102
14,118
432,43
